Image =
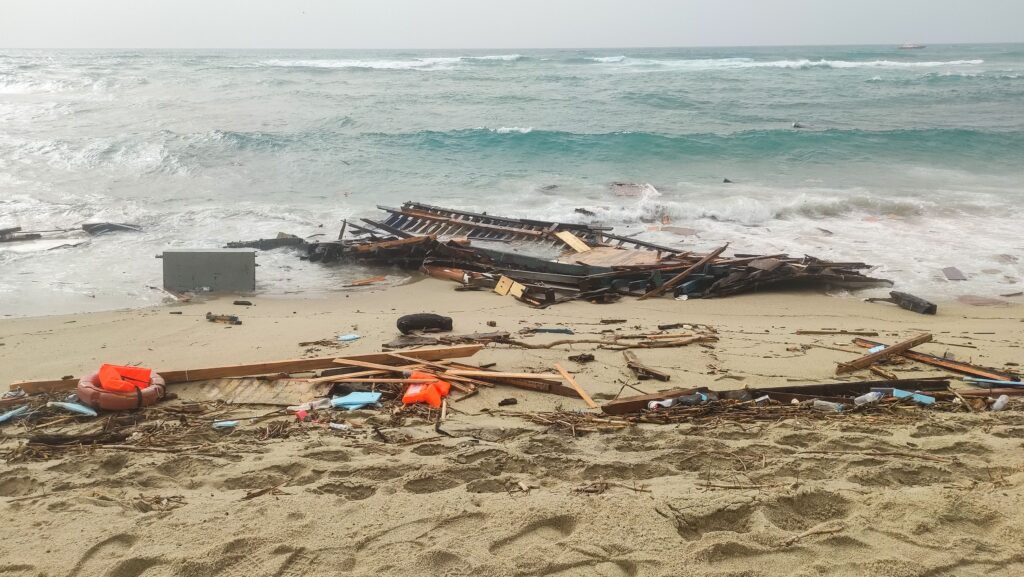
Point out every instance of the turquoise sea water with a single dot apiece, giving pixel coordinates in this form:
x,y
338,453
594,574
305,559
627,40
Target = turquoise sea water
x,y
912,159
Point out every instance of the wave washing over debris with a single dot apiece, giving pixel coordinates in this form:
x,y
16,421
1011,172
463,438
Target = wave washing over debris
x,y
827,150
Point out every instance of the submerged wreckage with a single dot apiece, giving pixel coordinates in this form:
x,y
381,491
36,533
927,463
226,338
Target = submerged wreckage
x,y
543,263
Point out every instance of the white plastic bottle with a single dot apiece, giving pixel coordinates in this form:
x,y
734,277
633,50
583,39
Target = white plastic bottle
x,y
868,398
1001,403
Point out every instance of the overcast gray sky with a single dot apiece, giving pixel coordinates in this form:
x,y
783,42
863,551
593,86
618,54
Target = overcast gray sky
x,y
500,23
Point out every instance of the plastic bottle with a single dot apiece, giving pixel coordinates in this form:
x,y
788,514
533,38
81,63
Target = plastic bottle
x,y
868,398
1001,403
661,404
825,406
690,400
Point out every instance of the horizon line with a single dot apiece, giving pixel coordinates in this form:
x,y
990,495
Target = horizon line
x,y
650,47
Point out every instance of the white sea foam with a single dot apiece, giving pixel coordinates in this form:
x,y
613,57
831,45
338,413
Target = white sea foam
x,y
426,63
512,129
738,63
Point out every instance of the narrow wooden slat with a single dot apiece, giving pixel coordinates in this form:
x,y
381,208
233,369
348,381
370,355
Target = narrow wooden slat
x,y
572,383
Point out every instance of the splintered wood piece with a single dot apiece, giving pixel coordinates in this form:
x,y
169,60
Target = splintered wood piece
x,y
643,372
572,383
574,242
679,278
367,281
504,285
868,360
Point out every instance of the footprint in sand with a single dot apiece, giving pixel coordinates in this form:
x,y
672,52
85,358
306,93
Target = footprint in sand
x,y
108,553
544,531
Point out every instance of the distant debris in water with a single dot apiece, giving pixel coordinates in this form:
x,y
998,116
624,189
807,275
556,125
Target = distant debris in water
x,y
549,187
953,273
282,239
633,189
585,212
799,125
911,46
726,181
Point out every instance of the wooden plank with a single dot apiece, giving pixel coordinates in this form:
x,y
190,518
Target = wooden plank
x,y
579,390
36,387
868,360
500,375
399,381
643,372
572,240
955,366
368,365
609,256
366,281
679,278
251,391
838,332
388,244
639,402
272,367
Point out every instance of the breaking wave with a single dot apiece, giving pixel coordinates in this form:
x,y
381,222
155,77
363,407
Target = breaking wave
x,y
800,64
424,63
786,144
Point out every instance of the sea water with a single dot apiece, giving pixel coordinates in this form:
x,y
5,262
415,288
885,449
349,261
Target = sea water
x,y
910,160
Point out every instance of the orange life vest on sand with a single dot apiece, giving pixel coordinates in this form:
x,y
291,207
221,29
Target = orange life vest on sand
x,y
124,379
429,393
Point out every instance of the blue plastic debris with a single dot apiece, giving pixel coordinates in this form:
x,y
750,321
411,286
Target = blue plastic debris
x,y
74,408
357,400
348,338
975,380
877,349
225,424
901,394
13,414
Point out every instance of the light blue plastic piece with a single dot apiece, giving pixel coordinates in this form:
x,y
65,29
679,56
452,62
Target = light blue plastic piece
x,y
877,349
993,381
74,408
225,424
348,338
916,397
13,414
357,400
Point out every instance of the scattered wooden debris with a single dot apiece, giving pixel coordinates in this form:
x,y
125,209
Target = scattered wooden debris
x,y
950,365
643,372
868,360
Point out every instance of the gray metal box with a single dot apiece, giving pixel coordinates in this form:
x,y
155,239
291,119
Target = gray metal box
x,y
217,270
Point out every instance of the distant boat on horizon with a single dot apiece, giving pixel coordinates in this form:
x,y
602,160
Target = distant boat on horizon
x,y
911,46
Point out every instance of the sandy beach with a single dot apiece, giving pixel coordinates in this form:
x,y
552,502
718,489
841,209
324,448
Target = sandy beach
x,y
916,494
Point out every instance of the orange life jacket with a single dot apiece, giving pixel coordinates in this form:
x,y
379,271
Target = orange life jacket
x,y
124,379
429,393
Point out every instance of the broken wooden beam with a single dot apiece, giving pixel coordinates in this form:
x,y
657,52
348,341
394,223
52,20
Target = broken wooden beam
x,y
642,371
638,403
672,282
868,360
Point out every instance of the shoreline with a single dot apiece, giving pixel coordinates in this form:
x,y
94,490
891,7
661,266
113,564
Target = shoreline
x,y
54,346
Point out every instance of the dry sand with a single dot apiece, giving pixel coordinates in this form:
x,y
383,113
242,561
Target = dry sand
x,y
927,495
